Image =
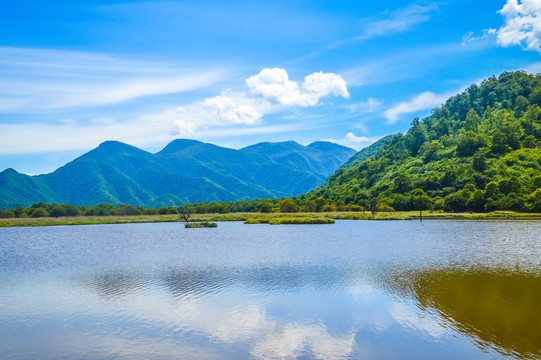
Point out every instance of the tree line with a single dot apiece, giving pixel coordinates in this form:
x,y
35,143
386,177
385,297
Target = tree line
x,y
287,205
478,152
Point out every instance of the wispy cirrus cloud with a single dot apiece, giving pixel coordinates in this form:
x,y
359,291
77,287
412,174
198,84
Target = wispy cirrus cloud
x,y
423,101
384,24
485,34
368,106
397,21
34,79
412,63
231,113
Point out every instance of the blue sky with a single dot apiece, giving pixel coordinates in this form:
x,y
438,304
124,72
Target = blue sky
x,y
76,73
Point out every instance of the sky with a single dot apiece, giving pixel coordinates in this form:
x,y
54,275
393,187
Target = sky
x,y
234,73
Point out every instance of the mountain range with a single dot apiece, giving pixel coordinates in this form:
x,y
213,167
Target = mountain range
x,y
184,171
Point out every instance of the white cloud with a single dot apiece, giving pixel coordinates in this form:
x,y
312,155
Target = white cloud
x,y
368,106
226,109
352,138
398,21
486,33
397,66
228,114
522,24
231,322
295,339
410,316
30,138
101,121
134,88
86,79
534,68
274,85
422,101
354,141
270,91
321,84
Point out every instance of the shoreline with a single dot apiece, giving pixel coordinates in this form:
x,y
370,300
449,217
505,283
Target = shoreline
x,y
410,215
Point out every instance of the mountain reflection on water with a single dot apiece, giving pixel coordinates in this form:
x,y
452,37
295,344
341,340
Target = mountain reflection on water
x,y
353,290
497,308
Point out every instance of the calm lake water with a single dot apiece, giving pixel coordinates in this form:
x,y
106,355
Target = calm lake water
x,y
352,290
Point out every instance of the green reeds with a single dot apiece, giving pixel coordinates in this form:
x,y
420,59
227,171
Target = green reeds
x,y
203,224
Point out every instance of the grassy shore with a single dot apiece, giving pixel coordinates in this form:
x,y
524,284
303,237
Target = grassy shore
x,y
258,218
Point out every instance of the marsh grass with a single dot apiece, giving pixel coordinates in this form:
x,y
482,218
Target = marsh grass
x,y
290,220
260,218
203,224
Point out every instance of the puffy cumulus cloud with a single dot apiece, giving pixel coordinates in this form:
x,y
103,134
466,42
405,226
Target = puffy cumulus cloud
x,y
274,85
225,109
270,91
420,102
354,139
323,84
295,339
522,24
230,322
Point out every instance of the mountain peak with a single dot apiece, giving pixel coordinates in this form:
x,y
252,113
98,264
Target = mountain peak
x,y
328,145
111,148
184,171
178,145
274,146
9,171
113,145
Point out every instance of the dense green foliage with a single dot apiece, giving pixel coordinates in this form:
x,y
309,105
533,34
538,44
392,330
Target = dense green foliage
x,y
263,206
185,171
365,153
480,151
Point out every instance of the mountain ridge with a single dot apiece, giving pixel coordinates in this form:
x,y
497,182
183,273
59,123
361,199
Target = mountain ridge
x,y
183,171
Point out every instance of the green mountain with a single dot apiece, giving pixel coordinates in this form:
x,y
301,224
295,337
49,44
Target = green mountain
x,y
480,151
365,153
184,171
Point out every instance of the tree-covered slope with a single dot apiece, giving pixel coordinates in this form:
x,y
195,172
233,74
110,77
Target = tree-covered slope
x,y
321,157
480,151
365,153
184,171
17,189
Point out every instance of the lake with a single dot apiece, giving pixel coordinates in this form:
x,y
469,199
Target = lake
x,y
441,289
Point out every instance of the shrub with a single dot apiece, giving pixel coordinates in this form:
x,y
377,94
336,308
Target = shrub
x,y
204,224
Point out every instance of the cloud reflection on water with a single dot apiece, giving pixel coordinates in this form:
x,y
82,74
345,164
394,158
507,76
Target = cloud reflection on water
x,y
148,291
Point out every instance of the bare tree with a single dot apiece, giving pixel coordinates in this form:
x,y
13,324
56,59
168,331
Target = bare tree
x,y
185,212
374,206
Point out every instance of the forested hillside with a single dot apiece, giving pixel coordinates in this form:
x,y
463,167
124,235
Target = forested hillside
x,y
480,151
184,171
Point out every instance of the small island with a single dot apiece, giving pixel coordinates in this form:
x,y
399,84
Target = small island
x,y
203,224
